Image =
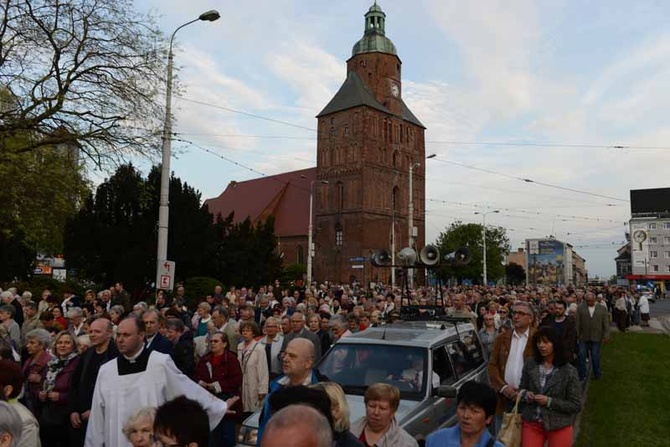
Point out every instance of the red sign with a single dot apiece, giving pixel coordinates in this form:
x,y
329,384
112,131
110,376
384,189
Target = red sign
x,y
165,282
649,277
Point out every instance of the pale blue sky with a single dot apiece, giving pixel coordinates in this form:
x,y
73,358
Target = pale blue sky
x,y
560,72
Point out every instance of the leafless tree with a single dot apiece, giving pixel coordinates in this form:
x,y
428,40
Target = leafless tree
x,y
80,72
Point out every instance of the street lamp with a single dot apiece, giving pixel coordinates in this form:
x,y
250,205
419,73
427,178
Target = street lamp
x,y
484,239
163,209
310,231
410,222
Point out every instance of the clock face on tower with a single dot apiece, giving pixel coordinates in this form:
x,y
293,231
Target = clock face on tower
x,y
395,90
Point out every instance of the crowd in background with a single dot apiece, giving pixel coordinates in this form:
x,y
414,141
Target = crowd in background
x,y
234,343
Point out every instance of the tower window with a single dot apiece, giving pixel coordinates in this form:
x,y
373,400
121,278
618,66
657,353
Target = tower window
x,y
338,236
346,130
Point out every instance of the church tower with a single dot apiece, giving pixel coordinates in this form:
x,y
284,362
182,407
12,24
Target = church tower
x,y
368,142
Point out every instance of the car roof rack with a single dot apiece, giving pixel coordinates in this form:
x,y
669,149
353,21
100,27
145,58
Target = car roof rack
x,y
432,313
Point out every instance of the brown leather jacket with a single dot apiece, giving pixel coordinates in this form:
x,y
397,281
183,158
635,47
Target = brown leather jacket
x,y
498,361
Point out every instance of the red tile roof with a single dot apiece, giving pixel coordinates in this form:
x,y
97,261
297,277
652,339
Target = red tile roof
x,y
286,196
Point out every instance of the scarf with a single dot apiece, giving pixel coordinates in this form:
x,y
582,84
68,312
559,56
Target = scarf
x,y
54,367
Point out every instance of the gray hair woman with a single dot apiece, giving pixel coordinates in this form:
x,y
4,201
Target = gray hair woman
x,y
139,427
38,342
10,426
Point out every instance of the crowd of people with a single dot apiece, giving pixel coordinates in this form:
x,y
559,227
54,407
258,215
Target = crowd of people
x,y
102,369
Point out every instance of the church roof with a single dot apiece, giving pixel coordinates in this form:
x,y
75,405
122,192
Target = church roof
x,y
285,196
354,93
407,115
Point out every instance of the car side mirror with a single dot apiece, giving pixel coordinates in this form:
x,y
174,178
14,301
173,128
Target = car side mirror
x,y
446,391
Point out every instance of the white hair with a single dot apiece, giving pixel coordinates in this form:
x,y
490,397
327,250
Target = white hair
x,y
315,425
10,423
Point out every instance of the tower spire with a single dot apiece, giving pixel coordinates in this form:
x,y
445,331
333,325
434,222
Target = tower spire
x,y
374,36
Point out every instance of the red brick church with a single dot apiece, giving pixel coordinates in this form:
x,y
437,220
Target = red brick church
x,y
367,140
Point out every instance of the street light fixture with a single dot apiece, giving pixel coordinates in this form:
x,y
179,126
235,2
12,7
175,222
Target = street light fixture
x,y
410,221
484,239
163,209
310,230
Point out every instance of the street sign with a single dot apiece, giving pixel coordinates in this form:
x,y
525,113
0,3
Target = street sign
x,y
357,266
359,259
165,276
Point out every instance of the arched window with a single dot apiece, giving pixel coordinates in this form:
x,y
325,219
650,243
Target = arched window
x,y
396,159
300,255
338,235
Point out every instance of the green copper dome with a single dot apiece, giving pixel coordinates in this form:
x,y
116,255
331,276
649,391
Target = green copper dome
x,y
374,39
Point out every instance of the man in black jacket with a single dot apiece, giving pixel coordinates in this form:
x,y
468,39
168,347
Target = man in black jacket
x,y
83,381
182,341
154,341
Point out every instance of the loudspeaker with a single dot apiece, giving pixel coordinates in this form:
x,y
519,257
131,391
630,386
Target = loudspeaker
x,y
380,258
429,255
461,256
407,256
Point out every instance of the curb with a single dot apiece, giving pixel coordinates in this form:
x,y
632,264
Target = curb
x,y
578,419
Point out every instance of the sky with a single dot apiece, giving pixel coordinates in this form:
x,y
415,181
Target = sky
x,y
572,95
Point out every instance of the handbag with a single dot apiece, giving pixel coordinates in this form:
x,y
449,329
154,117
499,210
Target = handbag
x,y
510,431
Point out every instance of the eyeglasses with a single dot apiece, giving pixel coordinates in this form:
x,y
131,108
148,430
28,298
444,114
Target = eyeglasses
x,y
521,313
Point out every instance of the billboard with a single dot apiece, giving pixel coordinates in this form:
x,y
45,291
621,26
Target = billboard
x,y
547,262
650,201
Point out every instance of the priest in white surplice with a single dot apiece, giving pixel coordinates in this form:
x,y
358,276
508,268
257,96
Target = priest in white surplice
x,y
139,378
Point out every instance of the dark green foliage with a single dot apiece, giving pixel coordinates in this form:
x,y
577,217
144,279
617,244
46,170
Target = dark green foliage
x,y
459,235
515,274
197,288
114,237
293,272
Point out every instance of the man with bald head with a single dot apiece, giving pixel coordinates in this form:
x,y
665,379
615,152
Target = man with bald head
x,y
297,364
80,398
298,426
460,309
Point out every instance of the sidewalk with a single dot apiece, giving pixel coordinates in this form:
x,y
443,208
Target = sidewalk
x,y
656,326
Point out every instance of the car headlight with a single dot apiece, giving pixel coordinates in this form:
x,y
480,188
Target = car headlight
x,y
247,435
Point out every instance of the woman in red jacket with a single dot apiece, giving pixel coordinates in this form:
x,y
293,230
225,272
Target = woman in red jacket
x,y
219,372
54,412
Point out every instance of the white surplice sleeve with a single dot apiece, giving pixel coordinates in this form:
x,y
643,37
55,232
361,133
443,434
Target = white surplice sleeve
x,y
178,384
95,431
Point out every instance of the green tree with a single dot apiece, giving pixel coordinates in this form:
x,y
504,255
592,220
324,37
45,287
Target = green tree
x,y
515,274
459,235
113,237
80,72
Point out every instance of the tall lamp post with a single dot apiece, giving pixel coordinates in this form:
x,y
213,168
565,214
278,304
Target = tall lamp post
x,y
484,240
164,210
410,222
310,230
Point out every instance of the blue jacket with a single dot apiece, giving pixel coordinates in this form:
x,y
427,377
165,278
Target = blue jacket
x,y
265,413
451,437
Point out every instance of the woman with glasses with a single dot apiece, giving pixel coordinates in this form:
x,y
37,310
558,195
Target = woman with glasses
x,y
219,372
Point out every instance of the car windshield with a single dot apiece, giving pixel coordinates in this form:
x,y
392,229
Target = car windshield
x,y
357,366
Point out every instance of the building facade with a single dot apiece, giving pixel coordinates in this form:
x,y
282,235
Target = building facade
x,y
369,142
